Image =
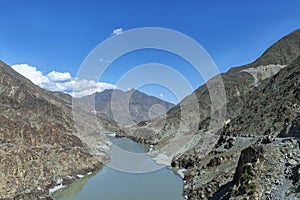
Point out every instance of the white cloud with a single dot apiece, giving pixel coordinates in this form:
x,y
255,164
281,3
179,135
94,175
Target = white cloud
x,y
31,73
117,31
59,76
62,81
161,95
83,87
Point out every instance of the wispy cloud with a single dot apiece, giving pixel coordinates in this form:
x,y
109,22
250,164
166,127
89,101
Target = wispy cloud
x,y
117,31
104,60
62,81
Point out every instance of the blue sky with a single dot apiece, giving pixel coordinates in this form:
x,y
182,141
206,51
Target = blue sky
x,y
58,35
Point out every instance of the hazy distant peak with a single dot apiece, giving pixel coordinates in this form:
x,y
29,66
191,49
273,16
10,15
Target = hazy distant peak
x,y
130,107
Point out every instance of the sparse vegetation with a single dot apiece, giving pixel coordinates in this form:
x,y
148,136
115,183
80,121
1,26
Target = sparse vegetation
x,y
252,185
246,176
251,192
238,192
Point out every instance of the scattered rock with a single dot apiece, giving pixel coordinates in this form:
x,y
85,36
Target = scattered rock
x,y
292,162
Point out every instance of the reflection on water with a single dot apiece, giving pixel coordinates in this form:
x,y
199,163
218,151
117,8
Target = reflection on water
x,y
130,145
70,192
111,184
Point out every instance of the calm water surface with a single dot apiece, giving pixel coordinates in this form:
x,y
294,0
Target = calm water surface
x,y
111,184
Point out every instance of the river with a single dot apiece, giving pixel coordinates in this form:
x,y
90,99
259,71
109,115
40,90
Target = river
x,y
112,184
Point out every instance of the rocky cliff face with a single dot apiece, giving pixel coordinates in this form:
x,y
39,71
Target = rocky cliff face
x,y
38,148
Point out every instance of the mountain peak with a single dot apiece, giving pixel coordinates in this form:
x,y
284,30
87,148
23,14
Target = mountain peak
x,y
283,52
130,107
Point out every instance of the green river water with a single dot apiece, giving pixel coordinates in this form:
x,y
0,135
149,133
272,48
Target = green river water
x,y
112,184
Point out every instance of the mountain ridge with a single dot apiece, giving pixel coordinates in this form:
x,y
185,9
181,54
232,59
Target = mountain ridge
x,y
237,81
38,140
214,157
261,137
126,108
282,52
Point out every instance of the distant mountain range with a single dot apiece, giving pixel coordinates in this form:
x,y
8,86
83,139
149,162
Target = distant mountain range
x,y
127,108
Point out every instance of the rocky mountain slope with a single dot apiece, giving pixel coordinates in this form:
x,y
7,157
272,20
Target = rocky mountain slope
x,y
273,108
282,52
258,152
38,146
238,82
82,108
248,162
127,108
262,103
253,154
